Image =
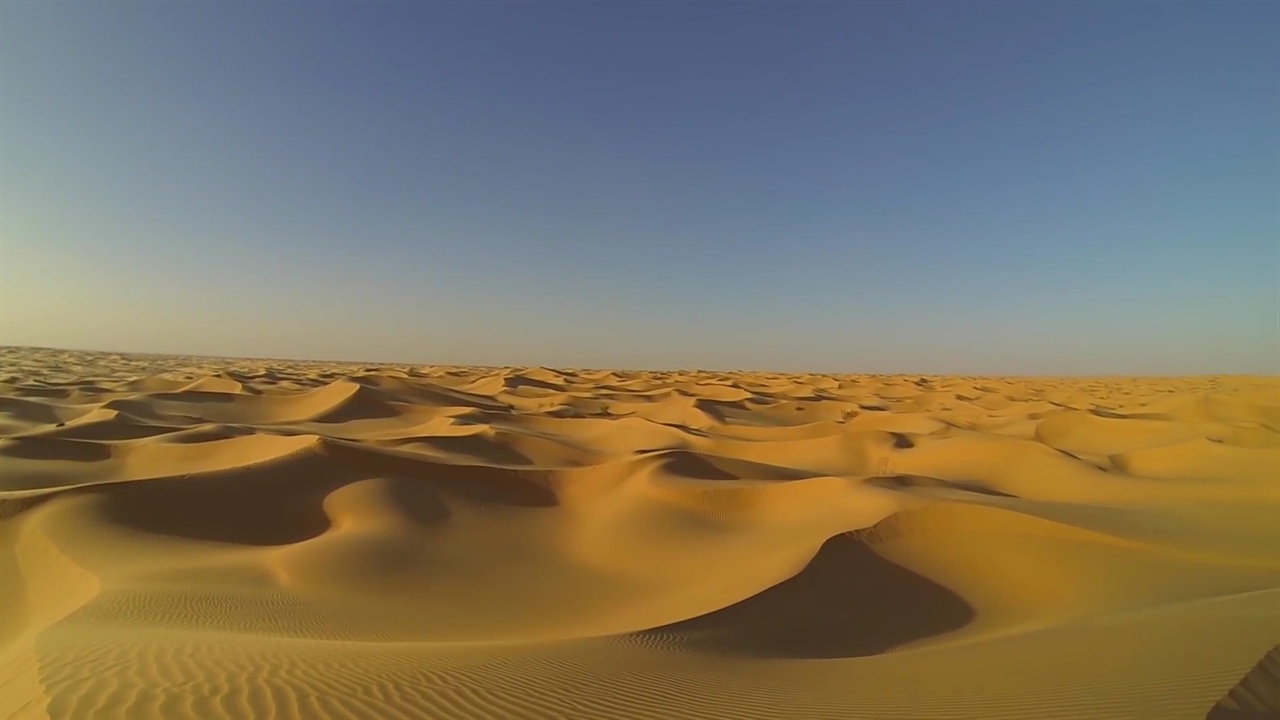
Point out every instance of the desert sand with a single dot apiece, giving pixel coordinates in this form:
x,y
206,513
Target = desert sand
x,y
209,538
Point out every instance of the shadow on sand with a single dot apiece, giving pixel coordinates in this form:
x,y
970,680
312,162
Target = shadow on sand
x,y
847,602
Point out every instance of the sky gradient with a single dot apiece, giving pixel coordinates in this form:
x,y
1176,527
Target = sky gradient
x,y
964,188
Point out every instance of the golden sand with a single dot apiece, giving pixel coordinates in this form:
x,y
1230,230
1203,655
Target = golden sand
x,y
203,538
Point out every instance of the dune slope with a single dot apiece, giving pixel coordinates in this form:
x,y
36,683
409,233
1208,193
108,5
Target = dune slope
x,y
217,538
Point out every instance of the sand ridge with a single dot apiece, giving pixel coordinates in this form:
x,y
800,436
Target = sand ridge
x,y
188,537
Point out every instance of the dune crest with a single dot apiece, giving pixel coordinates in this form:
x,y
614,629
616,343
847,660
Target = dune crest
x,y
217,538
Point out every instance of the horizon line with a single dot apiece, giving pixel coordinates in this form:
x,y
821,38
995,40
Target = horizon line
x,y
572,368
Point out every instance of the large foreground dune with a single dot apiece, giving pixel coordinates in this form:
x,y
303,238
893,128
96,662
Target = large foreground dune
x,y
200,538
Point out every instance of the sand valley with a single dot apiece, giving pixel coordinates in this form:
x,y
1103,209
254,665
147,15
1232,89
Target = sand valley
x,y
186,538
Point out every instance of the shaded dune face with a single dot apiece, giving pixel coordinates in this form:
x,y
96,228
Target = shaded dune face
x,y
847,602
1256,696
257,509
183,537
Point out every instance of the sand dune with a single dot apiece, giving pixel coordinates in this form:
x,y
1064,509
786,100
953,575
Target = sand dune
x,y
1256,696
212,538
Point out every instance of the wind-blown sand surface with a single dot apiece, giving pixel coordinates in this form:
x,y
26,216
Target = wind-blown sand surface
x,y
204,538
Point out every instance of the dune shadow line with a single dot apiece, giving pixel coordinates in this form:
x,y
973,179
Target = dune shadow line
x,y
1256,696
847,602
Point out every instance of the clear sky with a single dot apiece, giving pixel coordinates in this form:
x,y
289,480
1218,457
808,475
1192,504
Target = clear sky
x,y
971,188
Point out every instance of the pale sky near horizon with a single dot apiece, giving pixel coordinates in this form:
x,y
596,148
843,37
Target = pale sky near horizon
x,y
916,187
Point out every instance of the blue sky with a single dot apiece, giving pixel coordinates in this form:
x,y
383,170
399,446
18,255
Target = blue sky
x,y
970,188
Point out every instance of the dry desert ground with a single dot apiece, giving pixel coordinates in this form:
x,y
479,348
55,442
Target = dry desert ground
x,y
209,538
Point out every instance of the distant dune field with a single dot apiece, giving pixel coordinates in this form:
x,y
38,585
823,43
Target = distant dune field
x,y
204,538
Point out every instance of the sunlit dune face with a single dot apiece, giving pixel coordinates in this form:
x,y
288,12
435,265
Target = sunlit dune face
x,y
186,537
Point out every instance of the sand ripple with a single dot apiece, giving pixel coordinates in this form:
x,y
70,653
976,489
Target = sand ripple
x,y
197,538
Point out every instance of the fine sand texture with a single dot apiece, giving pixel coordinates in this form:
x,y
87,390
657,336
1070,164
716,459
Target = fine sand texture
x,y
186,538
